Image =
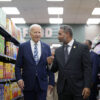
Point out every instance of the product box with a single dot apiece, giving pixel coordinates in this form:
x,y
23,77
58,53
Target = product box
x,y
1,70
2,18
2,44
13,29
1,92
7,92
8,48
8,26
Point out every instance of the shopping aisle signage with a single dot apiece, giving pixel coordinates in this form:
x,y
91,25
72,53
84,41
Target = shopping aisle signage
x,y
47,32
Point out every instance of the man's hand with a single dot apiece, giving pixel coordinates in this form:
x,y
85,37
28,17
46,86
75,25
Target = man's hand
x,y
86,93
50,60
21,84
50,88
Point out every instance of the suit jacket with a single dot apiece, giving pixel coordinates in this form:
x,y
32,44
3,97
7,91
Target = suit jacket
x,y
95,67
77,70
30,70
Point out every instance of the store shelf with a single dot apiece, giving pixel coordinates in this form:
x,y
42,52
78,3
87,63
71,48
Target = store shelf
x,y
7,80
8,36
7,58
18,97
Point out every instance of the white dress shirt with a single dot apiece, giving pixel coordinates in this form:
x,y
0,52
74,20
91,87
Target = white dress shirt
x,y
38,46
70,44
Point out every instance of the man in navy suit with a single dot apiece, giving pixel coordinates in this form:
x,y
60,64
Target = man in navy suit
x,y
95,69
32,60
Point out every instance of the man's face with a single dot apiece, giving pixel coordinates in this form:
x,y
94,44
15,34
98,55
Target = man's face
x,y
35,34
87,43
67,37
61,35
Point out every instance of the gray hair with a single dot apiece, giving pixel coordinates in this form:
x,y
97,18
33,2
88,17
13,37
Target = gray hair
x,y
67,28
34,25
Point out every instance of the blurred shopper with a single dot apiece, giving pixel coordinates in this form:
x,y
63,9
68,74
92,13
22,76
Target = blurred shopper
x,y
95,70
32,58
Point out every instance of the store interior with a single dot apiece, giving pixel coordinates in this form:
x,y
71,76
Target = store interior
x,y
16,16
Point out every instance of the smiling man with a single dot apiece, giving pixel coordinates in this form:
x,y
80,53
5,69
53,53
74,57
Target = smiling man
x,y
32,59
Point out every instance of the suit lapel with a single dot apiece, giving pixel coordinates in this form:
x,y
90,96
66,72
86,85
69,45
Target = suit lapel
x,y
72,52
30,51
42,49
61,55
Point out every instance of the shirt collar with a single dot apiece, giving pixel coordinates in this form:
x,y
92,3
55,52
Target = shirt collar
x,y
71,43
38,43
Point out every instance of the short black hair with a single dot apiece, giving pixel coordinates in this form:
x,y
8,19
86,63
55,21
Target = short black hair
x,y
89,41
67,28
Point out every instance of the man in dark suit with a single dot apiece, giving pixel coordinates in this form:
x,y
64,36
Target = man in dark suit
x,y
72,60
95,71
32,59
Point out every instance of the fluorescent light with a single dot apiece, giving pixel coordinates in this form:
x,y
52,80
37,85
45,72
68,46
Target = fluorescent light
x,y
18,20
96,11
93,21
55,0
55,10
11,10
55,20
5,0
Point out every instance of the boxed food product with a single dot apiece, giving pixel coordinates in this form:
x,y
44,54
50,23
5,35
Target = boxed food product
x,y
13,29
1,92
6,70
2,18
1,70
2,44
18,34
11,89
7,92
15,51
8,48
8,26
13,71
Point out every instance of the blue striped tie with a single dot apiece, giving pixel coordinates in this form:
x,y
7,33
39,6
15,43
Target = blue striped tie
x,y
36,54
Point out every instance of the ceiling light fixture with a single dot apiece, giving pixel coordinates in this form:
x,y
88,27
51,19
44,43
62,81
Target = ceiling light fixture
x,y
55,0
96,11
55,10
11,10
5,0
93,21
55,20
18,20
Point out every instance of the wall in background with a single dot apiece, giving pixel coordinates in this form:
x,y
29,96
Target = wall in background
x,y
50,32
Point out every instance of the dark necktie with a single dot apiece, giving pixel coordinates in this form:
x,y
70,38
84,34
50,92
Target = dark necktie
x,y
36,54
66,53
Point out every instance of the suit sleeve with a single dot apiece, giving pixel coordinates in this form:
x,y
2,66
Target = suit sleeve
x,y
50,74
19,64
54,67
95,67
86,67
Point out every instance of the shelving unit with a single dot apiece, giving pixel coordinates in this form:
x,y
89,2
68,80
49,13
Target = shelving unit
x,y
3,81
8,59
4,57
8,36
